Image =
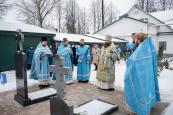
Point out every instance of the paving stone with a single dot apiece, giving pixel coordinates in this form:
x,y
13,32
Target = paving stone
x,y
75,94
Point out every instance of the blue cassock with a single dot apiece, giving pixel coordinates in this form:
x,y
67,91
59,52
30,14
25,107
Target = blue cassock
x,y
130,46
118,51
141,82
40,63
83,68
66,53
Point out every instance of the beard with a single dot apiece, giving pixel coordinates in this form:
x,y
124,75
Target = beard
x,y
136,44
107,44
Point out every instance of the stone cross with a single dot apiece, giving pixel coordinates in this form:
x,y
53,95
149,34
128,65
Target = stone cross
x,y
60,71
19,39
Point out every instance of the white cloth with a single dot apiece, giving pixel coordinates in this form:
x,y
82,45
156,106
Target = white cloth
x,y
105,85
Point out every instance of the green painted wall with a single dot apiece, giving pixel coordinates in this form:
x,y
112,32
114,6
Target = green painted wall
x,y
8,47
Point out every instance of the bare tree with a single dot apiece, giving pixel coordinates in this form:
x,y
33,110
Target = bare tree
x,y
72,17
71,12
59,14
170,5
93,14
96,13
154,5
36,11
103,13
150,6
79,28
4,6
140,4
111,13
98,10
165,4
83,22
146,5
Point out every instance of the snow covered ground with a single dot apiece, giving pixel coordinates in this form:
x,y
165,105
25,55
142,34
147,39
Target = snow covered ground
x,y
165,83
166,90
11,81
119,83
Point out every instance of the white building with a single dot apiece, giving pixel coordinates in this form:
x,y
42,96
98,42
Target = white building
x,y
136,20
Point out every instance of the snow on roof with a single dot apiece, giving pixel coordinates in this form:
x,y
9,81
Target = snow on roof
x,y
164,16
76,38
102,37
9,26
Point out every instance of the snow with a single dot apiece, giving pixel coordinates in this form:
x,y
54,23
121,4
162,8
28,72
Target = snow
x,y
11,81
166,89
13,26
119,82
169,110
76,38
164,16
102,37
165,83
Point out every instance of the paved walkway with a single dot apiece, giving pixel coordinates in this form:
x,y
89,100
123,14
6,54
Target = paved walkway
x,y
75,94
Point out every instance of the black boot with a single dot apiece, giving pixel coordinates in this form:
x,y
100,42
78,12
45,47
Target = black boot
x,y
95,67
86,81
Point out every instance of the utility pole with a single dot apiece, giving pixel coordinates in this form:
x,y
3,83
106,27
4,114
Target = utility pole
x,y
147,8
102,13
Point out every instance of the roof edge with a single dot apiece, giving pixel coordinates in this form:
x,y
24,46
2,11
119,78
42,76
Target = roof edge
x,y
123,17
165,33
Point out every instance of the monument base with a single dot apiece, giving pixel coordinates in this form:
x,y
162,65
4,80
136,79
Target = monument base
x,y
69,82
24,102
96,107
35,97
59,107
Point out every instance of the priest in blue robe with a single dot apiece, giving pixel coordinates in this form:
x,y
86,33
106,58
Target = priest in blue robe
x,y
65,51
141,83
84,59
40,63
130,47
